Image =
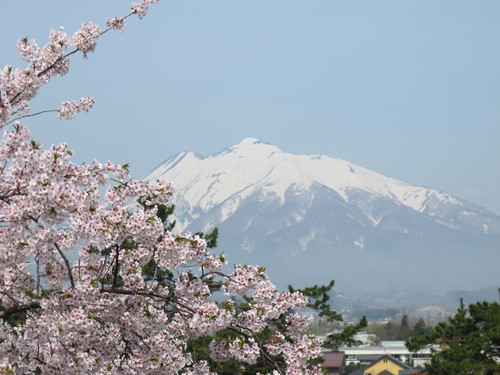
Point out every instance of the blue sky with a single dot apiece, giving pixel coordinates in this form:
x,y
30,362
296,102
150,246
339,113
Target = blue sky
x,y
410,89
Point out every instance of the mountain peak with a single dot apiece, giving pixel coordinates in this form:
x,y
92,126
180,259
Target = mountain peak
x,y
251,145
249,141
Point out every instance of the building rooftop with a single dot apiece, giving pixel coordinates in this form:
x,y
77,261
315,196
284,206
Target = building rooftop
x,y
333,360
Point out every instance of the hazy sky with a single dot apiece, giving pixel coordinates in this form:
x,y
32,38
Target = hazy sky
x,y
410,89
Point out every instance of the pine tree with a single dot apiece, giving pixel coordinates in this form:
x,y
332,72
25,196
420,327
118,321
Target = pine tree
x,y
405,327
419,329
469,341
318,301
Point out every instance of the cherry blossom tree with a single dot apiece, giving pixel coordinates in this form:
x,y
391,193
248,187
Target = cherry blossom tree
x,y
74,241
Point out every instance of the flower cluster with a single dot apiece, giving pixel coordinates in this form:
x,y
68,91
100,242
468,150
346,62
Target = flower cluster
x,y
85,38
19,86
70,109
141,9
116,23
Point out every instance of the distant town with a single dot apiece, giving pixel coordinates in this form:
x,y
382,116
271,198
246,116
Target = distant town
x,y
401,341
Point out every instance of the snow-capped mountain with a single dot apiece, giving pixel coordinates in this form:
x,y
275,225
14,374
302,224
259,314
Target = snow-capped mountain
x,y
311,218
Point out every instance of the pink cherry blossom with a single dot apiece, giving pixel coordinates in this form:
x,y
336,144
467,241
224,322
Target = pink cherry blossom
x,y
85,38
74,241
70,109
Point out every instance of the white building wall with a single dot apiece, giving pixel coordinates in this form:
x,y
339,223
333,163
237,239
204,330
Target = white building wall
x,y
396,349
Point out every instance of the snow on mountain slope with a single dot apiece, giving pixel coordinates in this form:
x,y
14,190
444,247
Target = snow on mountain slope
x,y
251,165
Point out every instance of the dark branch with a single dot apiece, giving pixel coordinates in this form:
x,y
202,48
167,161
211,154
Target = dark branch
x,y
117,268
136,292
19,308
68,266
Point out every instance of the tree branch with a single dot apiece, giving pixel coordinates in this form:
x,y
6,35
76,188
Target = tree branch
x,y
146,293
31,115
117,268
19,308
68,265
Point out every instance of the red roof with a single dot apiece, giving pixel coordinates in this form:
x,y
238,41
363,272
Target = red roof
x,y
333,360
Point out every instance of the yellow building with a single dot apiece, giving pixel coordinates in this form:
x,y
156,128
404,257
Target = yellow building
x,y
385,365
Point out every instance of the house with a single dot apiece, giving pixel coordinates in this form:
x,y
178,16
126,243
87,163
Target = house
x,y
366,339
366,359
415,371
334,362
384,365
396,349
